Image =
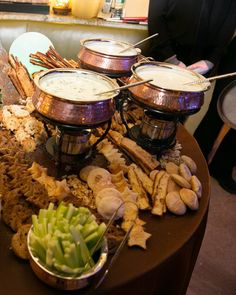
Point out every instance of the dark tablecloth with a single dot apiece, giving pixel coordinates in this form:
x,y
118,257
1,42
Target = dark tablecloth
x,y
164,268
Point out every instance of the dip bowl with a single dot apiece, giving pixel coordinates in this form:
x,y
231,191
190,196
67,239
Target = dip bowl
x,y
59,98
106,56
173,89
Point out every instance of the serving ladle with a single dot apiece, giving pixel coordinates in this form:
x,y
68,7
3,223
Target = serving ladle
x,y
138,43
125,87
211,79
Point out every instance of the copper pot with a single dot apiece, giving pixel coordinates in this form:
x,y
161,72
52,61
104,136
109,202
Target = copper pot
x,y
74,112
170,98
102,55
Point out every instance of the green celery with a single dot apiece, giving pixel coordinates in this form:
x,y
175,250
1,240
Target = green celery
x,y
50,206
35,224
61,209
45,226
79,219
41,232
91,218
84,210
70,212
37,247
78,238
65,244
74,254
89,228
78,251
69,258
42,215
91,240
59,254
49,257
100,232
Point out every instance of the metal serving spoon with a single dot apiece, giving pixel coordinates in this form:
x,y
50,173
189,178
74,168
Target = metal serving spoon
x,y
121,245
138,43
211,79
125,87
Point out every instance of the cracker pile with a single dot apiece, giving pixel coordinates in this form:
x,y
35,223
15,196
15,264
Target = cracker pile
x,y
21,195
28,131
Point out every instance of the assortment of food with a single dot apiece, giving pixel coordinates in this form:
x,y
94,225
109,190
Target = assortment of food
x,y
65,229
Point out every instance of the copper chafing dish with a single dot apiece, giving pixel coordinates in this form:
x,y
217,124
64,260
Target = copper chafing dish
x,y
169,91
61,106
105,56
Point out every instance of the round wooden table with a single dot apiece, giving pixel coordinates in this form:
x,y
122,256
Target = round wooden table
x,y
164,268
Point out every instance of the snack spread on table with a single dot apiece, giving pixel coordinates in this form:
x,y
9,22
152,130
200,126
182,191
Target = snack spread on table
x,y
132,180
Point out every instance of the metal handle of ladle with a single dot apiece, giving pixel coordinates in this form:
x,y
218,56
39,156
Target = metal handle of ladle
x,y
138,43
121,245
125,86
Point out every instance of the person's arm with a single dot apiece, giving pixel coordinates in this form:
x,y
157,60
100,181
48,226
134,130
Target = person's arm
x,y
160,48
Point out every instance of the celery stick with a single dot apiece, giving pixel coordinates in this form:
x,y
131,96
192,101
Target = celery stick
x,y
101,228
35,224
79,219
45,226
83,210
61,209
78,251
37,248
100,232
74,254
41,232
42,215
49,257
89,228
50,215
70,212
69,260
46,240
91,218
51,206
59,255
50,211
78,238
62,225
65,244
91,240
